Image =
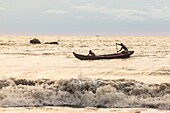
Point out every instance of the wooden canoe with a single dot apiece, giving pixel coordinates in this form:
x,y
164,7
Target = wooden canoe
x,y
106,56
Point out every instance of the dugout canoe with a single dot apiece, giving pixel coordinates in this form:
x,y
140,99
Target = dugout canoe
x,y
105,56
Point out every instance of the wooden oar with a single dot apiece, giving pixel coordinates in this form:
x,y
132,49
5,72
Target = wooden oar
x,y
116,48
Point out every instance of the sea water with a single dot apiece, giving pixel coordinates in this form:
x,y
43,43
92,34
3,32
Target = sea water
x,y
49,75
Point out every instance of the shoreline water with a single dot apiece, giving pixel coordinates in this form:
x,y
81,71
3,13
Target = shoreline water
x,y
84,92
21,60
78,110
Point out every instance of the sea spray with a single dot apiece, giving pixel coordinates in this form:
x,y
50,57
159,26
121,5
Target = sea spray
x,y
84,92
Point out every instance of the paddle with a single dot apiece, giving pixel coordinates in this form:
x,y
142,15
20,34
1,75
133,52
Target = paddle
x,y
116,48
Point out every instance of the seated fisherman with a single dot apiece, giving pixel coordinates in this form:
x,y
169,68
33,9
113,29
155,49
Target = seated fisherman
x,y
91,53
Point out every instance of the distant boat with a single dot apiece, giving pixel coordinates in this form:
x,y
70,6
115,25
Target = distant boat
x,y
106,56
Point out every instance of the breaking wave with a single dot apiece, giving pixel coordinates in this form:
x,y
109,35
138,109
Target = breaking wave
x,y
84,92
161,71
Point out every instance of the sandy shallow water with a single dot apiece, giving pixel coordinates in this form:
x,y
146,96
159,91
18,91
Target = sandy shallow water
x,y
78,110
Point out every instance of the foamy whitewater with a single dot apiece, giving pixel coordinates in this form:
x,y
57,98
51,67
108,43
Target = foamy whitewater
x,y
84,93
50,75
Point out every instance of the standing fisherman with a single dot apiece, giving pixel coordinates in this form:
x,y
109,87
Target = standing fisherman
x,y
123,47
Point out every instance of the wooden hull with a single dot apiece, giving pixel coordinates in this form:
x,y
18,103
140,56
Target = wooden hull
x,y
106,56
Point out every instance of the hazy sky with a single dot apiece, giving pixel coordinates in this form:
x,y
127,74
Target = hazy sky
x,y
85,17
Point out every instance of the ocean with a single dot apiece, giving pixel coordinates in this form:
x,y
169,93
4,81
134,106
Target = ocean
x,y
47,75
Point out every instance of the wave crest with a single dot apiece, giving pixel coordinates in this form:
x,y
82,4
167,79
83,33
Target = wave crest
x,y
84,93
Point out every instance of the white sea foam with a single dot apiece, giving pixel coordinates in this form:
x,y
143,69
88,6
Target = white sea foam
x,y
84,93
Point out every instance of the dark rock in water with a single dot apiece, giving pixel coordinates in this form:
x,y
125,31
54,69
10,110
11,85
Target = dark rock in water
x,y
51,43
35,41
